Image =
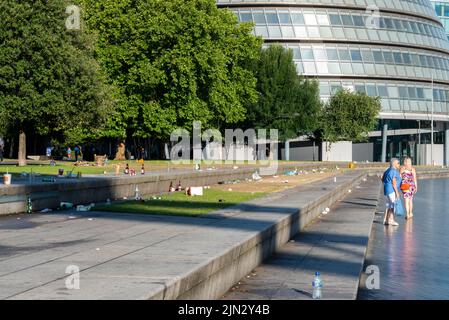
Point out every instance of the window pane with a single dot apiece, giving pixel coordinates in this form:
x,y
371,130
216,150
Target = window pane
x,y
446,11
259,18
382,90
272,18
355,55
403,92
274,31
420,93
296,53
320,54
423,60
246,16
398,24
324,88
397,57
297,18
407,25
310,19
389,23
371,90
378,56
335,19
323,19
284,18
406,58
367,56
388,56
347,20
358,21
261,31
306,54
360,88
344,54
415,59
287,32
332,54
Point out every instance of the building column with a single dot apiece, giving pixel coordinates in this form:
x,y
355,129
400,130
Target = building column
x,y
446,147
384,143
287,150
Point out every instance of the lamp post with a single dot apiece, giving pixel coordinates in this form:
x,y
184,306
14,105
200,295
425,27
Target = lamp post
x,y
431,128
418,157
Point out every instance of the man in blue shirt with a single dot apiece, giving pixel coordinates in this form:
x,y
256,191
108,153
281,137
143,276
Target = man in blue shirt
x,y
392,183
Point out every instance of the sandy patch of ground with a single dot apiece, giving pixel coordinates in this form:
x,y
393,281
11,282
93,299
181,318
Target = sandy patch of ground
x,y
276,183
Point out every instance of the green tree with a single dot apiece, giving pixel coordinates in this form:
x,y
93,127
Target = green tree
x,y
174,61
287,101
349,116
50,83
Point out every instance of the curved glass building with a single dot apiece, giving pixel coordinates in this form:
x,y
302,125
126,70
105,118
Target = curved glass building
x,y
442,11
395,49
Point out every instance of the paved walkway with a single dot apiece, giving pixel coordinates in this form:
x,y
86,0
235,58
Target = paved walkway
x,y
126,256
335,245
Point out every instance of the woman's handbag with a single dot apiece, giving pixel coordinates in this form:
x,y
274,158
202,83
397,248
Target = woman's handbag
x,y
405,186
399,208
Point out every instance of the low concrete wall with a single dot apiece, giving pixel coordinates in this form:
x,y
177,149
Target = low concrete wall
x,y
424,154
93,190
338,151
13,198
363,151
220,273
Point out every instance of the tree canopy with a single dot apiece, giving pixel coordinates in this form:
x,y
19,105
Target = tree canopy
x,y
349,116
50,83
174,62
287,101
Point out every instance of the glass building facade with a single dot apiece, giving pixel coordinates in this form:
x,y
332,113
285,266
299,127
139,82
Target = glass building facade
x,y
442,11
395,49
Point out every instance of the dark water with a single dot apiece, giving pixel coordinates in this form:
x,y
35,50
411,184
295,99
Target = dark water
x,y
413,258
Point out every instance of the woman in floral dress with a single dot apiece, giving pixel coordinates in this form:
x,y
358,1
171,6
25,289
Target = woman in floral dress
x,y
409,185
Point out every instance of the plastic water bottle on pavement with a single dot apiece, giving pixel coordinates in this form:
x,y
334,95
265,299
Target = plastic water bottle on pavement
x,y
317,285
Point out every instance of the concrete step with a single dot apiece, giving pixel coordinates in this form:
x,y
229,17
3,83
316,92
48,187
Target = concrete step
x,y
335,245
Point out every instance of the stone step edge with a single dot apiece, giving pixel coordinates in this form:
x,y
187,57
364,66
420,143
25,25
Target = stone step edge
x,y
371,223
215,277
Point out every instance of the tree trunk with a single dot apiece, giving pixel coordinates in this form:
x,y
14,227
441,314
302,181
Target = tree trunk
x,y
35,146
22,149
11,148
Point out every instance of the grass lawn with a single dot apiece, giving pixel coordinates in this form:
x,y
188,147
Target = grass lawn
x,y
182,205
52,170
44,168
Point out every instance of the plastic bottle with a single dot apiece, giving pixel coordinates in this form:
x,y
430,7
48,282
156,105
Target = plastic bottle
x,y
127,169
142,170
137,194
317,284
29,205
